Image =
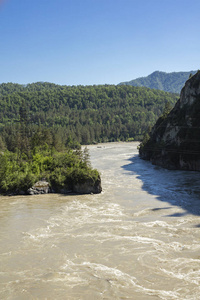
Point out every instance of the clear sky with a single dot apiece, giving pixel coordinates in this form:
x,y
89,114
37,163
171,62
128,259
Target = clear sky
x,y
87,42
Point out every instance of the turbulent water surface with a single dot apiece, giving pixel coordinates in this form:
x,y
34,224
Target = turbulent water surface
x,y
138,239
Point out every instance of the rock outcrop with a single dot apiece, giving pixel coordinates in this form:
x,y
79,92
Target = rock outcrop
x,y
174,141
40,187
88,187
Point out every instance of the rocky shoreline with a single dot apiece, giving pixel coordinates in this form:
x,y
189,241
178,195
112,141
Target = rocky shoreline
x,y
43,187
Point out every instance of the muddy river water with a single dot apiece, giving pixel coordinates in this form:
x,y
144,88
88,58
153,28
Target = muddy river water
x,y
138,239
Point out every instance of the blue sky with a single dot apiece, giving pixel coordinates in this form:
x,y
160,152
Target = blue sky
x,y
88,42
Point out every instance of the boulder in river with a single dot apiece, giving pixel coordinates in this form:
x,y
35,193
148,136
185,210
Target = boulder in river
x,y
40,187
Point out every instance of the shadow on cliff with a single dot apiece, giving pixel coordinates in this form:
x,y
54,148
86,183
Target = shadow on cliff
x,y
179,188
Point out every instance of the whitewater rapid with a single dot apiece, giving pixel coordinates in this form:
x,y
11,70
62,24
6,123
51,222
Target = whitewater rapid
x,y
138,239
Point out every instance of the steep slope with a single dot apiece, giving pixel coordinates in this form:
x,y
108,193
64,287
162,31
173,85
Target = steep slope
x,y
86,113
174,142
169,82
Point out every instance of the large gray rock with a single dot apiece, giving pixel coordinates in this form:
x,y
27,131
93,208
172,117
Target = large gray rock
x,y
40,187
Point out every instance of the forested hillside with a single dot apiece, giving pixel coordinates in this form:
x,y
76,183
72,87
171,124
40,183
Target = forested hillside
x,y
61,115
168,82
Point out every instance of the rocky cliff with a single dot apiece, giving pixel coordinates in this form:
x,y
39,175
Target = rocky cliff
x,y
174,141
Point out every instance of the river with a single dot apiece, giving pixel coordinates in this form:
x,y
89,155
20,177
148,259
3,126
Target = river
x,y
138,239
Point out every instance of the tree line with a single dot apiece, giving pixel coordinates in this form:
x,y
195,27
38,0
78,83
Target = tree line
x,y
63,116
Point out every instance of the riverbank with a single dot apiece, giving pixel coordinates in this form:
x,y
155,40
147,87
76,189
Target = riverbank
x,y
138,239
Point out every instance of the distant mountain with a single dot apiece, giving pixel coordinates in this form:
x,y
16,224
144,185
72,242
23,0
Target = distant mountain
x,y
168,82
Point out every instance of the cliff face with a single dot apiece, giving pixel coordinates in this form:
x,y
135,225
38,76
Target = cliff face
x,y
174,142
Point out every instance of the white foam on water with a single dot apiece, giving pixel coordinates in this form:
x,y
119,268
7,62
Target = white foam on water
x,y
143,212
117,279
7,253
158,223
74,215
186,269
96,243
189,277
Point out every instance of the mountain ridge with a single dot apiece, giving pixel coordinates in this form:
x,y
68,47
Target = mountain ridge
x,y
169,82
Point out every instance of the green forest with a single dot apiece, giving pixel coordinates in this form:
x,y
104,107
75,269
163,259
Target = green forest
x,y
42,127
71,115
